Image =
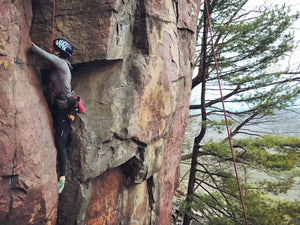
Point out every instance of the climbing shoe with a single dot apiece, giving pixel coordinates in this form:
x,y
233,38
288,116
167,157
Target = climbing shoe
x,y
61,184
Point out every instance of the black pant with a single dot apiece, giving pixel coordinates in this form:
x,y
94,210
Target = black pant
x,y
62,126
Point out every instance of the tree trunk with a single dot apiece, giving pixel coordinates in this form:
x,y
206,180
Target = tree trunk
x,y
203,73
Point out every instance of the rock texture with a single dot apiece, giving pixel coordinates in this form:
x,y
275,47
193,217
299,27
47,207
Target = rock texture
x,y
28,188
133,69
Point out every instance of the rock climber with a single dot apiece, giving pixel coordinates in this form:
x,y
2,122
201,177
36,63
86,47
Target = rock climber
x,y
63,103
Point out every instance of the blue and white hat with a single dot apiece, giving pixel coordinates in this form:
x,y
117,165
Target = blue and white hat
x,y
65,47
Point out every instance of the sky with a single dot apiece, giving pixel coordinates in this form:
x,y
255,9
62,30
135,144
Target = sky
x,y
294,58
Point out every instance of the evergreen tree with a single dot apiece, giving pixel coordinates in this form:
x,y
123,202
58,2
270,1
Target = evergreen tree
x,y
248,44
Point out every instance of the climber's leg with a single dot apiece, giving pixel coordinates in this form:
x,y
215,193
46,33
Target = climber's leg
x,y
62,128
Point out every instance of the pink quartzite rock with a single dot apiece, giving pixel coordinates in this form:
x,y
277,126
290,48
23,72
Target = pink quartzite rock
x,y
103,208
169,174
28,182
133,70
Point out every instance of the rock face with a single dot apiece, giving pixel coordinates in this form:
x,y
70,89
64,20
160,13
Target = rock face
x,y
133,69
28,193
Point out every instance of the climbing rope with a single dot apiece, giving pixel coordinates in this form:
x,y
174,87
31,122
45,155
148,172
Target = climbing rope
x,y
225,116
53,21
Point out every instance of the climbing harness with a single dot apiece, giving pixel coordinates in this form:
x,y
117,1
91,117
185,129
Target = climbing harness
x,y
225,116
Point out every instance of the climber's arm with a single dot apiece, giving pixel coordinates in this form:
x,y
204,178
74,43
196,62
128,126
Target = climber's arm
x,y
55,60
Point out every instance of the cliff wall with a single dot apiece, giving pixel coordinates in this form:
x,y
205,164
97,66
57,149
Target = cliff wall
x,y
133,69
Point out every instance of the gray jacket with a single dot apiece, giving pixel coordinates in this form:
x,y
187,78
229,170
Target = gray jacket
x,y
60,76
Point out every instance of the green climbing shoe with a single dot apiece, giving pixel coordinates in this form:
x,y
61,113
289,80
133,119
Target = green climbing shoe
x,y
61,185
